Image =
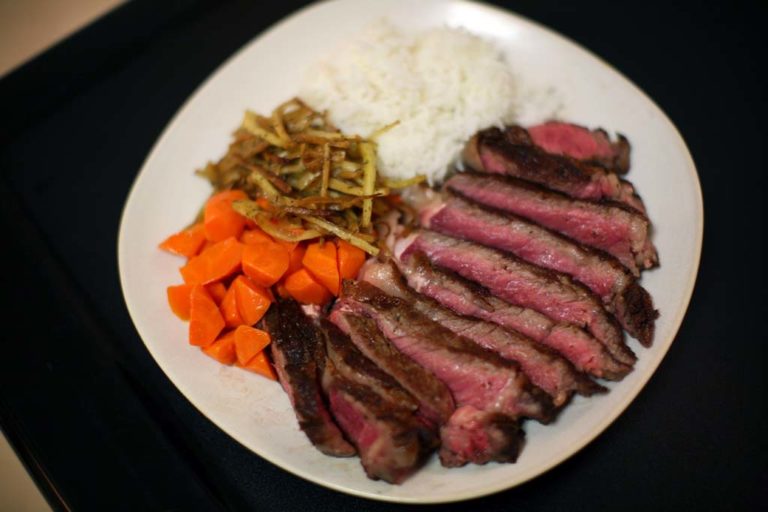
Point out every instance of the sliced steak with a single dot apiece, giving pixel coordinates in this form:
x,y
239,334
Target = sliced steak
x,y
506,152
391,441
521,283
433,396
297,351
619,231
480,437
468,298
599,271
475,376
544,367
592,146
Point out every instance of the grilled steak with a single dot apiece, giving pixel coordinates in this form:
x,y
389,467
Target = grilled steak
x,y
391,441
619,231
297,351
582,144
435,401
480,437
516,281
544,367
467,298
600,272
508,153
475,376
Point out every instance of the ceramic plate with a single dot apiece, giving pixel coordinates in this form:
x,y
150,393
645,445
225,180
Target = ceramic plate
x,y
556,77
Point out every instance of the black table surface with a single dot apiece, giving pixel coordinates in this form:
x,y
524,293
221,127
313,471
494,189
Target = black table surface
x,y
100,427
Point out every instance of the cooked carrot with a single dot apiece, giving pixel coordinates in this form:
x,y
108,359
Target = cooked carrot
x,y
320,260
217,291
253,236
296,257
223,349
350,259
206,245
281,290
260,364
265,262
252,300
185,243
205,321
229,309
249,342
214,263
220,220
179,298
264,204
305,289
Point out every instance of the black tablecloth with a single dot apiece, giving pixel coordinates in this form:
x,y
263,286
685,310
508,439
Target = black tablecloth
x,y
100,426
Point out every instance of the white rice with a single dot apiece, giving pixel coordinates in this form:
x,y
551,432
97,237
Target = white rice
x,y
442,85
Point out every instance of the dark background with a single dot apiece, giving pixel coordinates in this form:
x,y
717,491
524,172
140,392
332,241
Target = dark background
x,y
100,426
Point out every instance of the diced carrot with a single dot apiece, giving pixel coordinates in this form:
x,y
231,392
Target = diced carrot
x,y
206,245
295,260
252,300
220,219
249,342
179,298
214,263
260,364
320,260
256,235
217,291
185,243
282,291
265,262
205,320
350,259
223,349
305,289
229,309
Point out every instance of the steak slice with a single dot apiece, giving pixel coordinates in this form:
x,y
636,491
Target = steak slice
x,y
470,299
592,146
297,352
516,281
510,153
480,437
617,230
391,441
600,272
475,376
544,367
434,399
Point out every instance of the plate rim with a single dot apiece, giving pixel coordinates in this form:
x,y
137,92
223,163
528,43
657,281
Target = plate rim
x,y
534,472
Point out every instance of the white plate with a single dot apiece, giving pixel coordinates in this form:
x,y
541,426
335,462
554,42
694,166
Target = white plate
x,y
554,71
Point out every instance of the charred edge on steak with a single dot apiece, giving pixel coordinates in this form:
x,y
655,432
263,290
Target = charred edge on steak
x,y
297,352
612,227
599,271
435,401
476,376
543,366
519,282
466,297
480,437
501,152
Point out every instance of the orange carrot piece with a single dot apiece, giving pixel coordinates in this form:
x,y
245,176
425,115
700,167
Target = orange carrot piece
x,y
223,349
205,321
229,309
305,289
217,291
260,364
252,300
220,219
320,260
253,236
249,342
350,259
179,298
265,262
214,263
264,204
295,260
282,291
185,243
